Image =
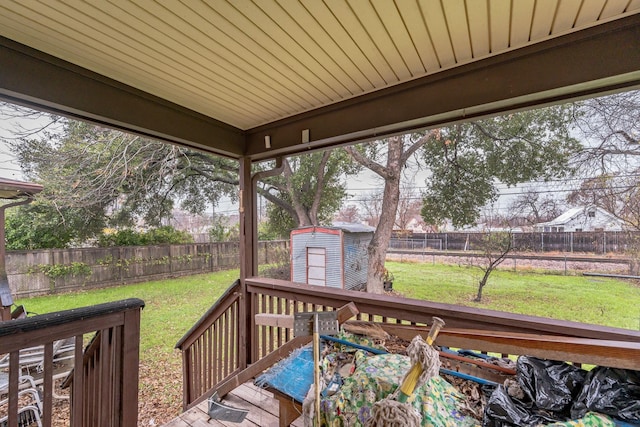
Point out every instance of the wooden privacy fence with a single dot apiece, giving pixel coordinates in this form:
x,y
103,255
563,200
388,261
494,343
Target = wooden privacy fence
x,y
104,380
48,271
210,365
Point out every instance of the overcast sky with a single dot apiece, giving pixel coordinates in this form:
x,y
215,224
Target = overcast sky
x,y
8,166
357,186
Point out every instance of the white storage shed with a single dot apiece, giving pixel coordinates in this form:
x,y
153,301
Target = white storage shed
x,y
333,256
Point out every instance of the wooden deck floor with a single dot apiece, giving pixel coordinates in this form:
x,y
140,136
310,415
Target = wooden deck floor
x,y
262,406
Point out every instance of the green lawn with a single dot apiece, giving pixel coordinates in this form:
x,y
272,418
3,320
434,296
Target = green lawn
x,y
595,300
173,306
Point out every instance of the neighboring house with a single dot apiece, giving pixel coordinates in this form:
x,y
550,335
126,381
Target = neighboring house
x,y
589,218
417,225
334,256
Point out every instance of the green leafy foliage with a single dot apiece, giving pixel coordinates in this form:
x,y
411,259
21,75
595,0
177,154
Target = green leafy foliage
x,y
308,192
266,233
121,179
467,160
124,177
43,225
61,270
156,236
221,231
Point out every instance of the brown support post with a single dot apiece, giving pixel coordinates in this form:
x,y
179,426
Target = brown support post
x,y
248,267
77,390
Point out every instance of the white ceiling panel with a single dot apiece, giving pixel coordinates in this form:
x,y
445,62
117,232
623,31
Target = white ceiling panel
x,y
478,16
438,31
456,18
417,30
521,21
250,62
566,15
543,15
500,24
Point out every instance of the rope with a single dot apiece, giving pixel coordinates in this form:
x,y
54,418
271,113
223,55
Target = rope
x,y
428,357
389,412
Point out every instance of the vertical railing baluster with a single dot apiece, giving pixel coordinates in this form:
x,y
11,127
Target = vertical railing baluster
x,y
14,374
219,346
197,372
234,336
263,329
78,384
225,342
104,376
47,383
117,351
186,377
271,332
215,342
208,380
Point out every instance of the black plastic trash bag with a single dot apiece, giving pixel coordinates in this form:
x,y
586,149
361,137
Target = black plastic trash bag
x,y
610,391
549,389
550,385
503,410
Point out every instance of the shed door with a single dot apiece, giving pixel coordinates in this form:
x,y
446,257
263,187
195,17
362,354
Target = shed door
x,y
316,266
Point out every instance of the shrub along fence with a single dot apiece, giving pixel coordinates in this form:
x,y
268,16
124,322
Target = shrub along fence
x,y
49,271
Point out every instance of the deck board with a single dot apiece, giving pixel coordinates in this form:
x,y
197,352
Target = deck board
x,y
262,406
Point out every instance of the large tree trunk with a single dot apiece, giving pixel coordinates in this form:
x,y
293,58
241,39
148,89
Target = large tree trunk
x,y
381,237
397,156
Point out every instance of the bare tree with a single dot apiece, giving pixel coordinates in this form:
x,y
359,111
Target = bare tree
x,y
610,161
610,129
348,213
371,204
617,194
409,206
531,207
494,247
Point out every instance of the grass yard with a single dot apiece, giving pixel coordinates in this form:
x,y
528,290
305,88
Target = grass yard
x,y
596,300
173,306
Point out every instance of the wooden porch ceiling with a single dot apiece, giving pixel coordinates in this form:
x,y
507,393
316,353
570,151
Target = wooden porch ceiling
x,y
223,75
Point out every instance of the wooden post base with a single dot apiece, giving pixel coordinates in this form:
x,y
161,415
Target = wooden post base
x,y
288,410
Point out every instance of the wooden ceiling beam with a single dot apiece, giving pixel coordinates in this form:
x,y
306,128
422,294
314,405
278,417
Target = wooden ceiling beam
x,y
602,58
35,79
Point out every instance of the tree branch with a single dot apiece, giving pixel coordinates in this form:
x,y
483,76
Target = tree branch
x,y
313,212
368,163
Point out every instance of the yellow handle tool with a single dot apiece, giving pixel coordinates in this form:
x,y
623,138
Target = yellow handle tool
x,y
409,384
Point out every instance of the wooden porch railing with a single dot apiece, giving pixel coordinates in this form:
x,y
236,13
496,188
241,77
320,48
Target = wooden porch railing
x,y
211,348
282,297
105,388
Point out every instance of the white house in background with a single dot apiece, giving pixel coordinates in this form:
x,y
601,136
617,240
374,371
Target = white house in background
x,y
589,218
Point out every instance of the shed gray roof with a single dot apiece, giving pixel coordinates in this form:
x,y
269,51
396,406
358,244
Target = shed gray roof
x,y
353,227
345,226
